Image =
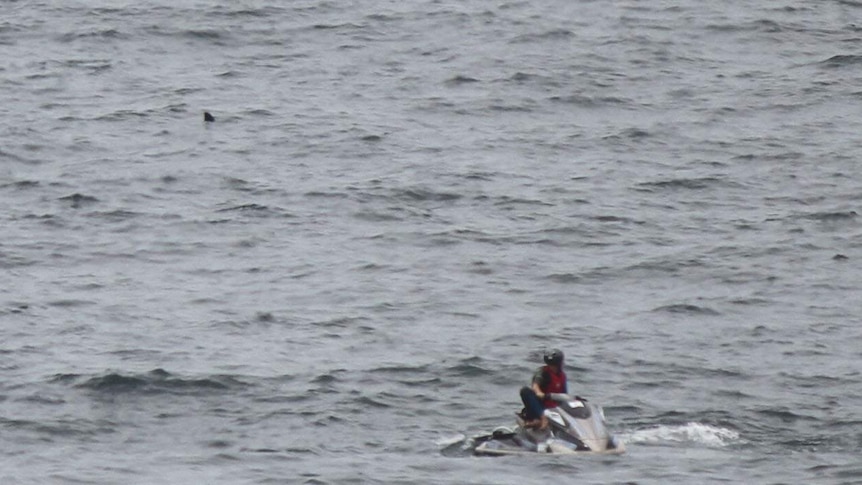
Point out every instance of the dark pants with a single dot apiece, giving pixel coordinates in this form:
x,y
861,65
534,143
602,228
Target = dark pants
x,y
533,406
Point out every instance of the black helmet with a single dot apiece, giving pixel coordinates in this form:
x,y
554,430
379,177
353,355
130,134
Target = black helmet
x,y
554,357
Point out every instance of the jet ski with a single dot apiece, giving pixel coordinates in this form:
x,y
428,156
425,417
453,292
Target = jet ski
x,y
575,426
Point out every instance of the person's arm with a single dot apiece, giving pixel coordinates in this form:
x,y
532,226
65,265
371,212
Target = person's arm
x,y
540,381
538,390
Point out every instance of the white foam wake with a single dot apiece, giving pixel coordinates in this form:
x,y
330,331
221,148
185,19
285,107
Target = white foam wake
x,y
701,434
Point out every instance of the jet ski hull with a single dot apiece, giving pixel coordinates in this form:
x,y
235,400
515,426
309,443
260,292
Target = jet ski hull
x,y
576,427
495,449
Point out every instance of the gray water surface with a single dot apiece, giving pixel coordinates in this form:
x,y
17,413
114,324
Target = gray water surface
x,y
399,206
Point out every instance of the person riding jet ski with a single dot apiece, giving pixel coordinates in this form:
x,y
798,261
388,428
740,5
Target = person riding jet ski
x,y
548,379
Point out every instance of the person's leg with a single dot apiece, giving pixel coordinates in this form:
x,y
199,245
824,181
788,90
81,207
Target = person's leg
x,y
532,405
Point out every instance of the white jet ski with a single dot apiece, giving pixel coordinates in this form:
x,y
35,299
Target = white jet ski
x,y
575,427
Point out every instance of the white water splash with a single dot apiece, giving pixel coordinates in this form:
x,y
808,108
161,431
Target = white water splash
x,y
702,434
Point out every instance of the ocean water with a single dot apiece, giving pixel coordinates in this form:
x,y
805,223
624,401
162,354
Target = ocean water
x,y
399,206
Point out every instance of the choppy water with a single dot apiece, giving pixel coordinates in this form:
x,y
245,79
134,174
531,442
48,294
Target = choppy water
x,y
399,205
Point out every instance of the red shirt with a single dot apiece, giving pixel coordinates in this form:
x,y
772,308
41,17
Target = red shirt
x,y
551,381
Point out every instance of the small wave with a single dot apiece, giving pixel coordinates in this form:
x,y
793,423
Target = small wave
x,y
750,301
409,370
368,402
682,183
687,309
629,134
118,215
785,415
16,158
552,35
461,79
421,383
77,200
340,322
207,34
256,210
99,34
8,261
843,60
157,381
483,176
521,77
23,184
372,216
343,26
513,201
290,450
833,216
229,75
665,266
762,25
245,208
469,368
60,428
325,379
243,11
92,66
121,115
589,102
565,278
695,433
326,195
382,17
505,107
423,195
70,303
210,36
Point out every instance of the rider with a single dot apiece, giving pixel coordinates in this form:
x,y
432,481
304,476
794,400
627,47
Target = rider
x,y
549,379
